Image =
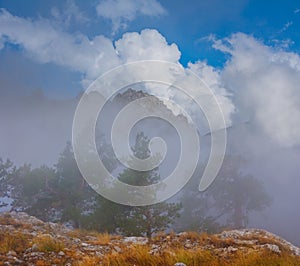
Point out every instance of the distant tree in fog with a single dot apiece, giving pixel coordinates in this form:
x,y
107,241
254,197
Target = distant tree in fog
x,y
145,220
226,203
237,193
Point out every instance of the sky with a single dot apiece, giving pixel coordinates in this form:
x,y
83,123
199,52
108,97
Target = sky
x,y
190,26
247,51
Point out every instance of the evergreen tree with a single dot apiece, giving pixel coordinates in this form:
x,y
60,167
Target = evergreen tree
x,y
145,220
237,193
7,171
226,203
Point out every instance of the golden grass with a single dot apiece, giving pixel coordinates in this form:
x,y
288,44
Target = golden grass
x,y
17,242
140,256
100,238
172,249
46,243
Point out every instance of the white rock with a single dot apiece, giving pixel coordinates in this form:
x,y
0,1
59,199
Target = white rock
x,y
272,247
136,240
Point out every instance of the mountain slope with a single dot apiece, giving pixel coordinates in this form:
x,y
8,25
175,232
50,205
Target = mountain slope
x,y
26,240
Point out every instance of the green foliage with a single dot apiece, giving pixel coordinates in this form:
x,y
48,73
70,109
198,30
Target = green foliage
x,y
148,219
237,193
199,211
226,203
7,171
60,193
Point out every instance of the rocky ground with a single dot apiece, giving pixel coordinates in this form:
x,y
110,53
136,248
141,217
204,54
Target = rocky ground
x,y
26,240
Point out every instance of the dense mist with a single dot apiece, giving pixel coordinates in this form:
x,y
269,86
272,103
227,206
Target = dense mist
x,y
37,129
231,68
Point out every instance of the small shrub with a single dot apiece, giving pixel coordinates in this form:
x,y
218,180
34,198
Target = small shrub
x,y
17,242
46,243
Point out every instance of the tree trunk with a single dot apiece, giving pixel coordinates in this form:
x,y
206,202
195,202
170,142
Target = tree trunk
x,y
238,216
148,224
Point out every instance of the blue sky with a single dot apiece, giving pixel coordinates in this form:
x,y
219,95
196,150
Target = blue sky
x,y
246,51
186,23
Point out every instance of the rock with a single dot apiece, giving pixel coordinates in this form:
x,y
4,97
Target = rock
x,y
118,249
61,253
76,240
98,254
26,219
78,245
17,261
136,240
273,248
232,249
34,248
188,245
12,253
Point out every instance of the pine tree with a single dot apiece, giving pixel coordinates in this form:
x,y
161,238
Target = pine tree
x,y
145,220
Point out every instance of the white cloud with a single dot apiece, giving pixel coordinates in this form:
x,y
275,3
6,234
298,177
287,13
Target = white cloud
x,y
297,10
212,78
286,26
149,44
46,43
265,82
69,13
121,12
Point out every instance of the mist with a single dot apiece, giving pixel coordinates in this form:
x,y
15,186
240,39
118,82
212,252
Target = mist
x,y
256,87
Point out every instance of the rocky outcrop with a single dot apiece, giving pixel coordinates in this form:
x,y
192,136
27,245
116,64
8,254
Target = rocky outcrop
x,y
26,240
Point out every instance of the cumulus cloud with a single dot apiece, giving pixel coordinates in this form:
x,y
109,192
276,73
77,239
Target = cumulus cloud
x,y
92,57
121,12
150,44
265,82
47,43
212,79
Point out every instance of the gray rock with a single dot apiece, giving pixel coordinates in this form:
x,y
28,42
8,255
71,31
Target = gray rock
x,y
179,264
232,249
273,248
34,248
61,253
12,253
136,240
188,245
118,249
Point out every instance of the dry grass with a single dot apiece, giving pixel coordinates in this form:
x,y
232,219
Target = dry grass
x,y
140,256
6,219
46,243
16,241
98,238
88,261
172,249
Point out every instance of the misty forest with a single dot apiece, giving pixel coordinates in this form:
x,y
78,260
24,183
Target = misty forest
x,y
59,193
149,133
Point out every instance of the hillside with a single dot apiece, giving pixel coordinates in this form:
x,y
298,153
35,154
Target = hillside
x,y
26,240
